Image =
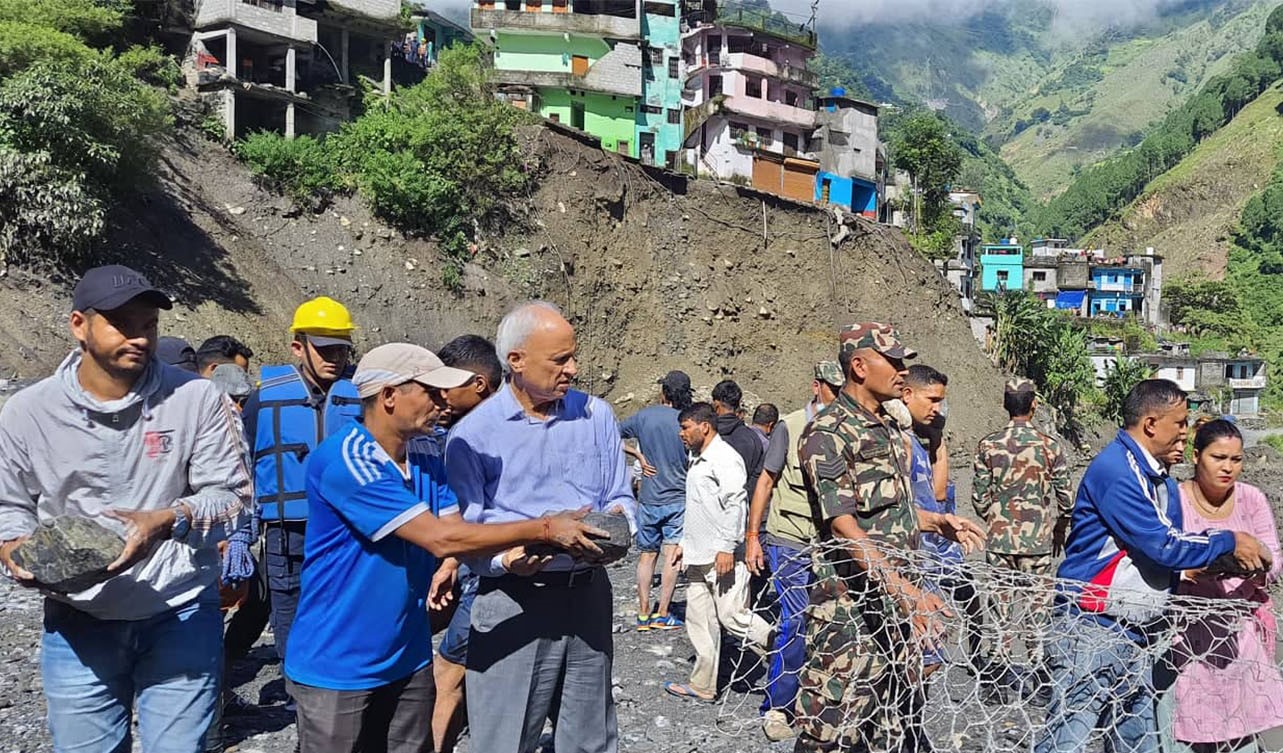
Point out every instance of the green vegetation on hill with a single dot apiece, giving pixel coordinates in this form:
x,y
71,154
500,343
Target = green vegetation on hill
x,y
435,158
1104,189
1188,213
1053,95
78,123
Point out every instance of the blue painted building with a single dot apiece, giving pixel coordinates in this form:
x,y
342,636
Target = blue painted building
x,y
659,113
1115,290
846,141
857,194
1002,267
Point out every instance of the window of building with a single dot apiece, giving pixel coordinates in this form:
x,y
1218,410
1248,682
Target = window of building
x,y
1040,276
1002,276
652,109
656,55
790,98
753,87
764,135
673,70
674,116
738,129
790,142
714,85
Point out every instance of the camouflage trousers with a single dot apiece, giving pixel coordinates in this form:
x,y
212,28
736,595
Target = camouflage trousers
x,y
1021,606
857,690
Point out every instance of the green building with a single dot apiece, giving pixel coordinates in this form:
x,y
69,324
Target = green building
x,y
659,117
578,62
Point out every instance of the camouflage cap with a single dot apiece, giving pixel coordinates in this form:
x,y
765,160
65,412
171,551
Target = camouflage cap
x,y
879,337
1019,385
830,373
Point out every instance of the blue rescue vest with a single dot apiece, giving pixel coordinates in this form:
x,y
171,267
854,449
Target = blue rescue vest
x,y
289,428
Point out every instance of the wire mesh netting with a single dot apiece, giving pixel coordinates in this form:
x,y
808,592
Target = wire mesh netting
x,y
988,657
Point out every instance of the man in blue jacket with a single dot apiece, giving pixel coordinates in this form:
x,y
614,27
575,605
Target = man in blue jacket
x,y
1127,546
295,407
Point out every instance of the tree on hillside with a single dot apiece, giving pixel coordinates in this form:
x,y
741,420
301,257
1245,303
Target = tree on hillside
x,y
924,148
1120,377
1040,343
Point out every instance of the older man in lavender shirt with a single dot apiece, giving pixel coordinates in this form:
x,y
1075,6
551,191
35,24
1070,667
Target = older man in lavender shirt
x,y
541,627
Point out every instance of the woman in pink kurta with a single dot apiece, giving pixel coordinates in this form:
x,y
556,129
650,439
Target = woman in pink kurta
x,y
1229,687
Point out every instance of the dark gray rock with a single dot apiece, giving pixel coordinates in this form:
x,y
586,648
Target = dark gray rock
x,y
613,547
70,554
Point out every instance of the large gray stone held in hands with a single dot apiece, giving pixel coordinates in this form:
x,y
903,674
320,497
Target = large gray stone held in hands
x,y
613,547
69,554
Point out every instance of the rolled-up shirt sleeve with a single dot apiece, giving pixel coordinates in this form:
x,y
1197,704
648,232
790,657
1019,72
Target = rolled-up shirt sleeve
x,y
617,489
218,476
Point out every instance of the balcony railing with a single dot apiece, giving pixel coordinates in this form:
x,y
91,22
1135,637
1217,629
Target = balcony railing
x,y
282,23
563,80
772,69
1249,383
753,19
614,27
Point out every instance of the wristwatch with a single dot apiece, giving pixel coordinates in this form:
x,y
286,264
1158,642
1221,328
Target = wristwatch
x,y
182,524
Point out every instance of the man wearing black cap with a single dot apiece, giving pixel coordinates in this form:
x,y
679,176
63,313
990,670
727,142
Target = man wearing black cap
x,y
176,351
662,500
153,453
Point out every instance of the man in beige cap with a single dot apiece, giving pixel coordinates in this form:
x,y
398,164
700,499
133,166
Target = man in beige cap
x,y
359,656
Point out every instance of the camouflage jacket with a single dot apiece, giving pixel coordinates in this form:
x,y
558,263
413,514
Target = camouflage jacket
x,y
856,463
1021,487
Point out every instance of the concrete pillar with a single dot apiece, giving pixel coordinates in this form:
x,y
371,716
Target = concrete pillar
x,y
233,62
289,120
343,55
229,114
387,71
290,69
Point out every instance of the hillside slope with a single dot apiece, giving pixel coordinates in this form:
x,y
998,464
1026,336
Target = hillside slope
x,y
1187,213
696,276
1089,105
1053,93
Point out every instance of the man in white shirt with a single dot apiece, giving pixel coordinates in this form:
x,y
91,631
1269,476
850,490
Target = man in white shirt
x,y
712,553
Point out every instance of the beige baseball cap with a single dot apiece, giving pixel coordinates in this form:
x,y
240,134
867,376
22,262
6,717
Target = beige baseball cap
x,y
395,364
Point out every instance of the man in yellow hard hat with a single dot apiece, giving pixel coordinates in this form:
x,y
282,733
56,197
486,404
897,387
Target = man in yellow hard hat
x,y
295,407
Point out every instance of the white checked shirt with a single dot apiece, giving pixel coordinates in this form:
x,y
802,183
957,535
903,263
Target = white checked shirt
x,y
716,508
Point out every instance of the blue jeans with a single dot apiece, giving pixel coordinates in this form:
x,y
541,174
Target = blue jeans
x,y
93,669
454,644
791,578
1101,680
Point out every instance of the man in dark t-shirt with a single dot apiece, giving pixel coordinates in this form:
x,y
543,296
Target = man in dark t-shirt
x,y
662,500
727,397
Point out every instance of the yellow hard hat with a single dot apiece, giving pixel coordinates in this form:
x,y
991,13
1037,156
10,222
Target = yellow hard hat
x,y
323,316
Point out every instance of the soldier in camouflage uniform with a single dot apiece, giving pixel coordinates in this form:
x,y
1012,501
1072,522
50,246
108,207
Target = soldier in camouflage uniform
x,y
867,618
1021,491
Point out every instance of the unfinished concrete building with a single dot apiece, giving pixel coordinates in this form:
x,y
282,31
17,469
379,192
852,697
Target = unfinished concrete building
x,y
290,66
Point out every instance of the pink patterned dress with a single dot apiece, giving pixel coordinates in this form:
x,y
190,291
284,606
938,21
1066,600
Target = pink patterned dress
x,y
1229,685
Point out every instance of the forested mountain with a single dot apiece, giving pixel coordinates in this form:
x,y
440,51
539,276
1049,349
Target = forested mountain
x,y
1051,86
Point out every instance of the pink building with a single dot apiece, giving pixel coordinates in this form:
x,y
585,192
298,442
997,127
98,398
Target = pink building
x,y
748,98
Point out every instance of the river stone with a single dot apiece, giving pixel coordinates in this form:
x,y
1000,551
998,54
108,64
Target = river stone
x,y
613,548
69,554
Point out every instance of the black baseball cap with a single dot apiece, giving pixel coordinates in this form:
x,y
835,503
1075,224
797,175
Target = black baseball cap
x,y
112,286
176,351
676,381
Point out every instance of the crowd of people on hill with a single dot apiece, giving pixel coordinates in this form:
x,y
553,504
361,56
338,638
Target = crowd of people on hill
x,y
362,508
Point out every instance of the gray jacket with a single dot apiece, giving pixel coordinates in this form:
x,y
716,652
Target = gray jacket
x,y
174,438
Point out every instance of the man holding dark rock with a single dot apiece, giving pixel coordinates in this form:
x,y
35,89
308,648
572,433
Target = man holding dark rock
x,y
541,626
380,511
117,438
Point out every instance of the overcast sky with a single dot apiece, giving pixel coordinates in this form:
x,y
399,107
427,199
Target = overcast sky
x,y
845,13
